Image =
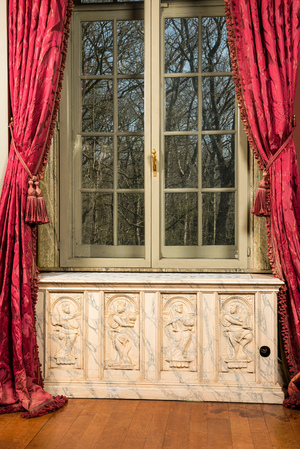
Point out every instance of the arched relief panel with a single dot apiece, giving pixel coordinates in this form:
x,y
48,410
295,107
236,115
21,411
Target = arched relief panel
x,y
66,331
179,332
237,339
122,331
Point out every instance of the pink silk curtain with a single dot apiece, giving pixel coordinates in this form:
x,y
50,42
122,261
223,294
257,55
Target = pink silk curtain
x,y
38,32
264,38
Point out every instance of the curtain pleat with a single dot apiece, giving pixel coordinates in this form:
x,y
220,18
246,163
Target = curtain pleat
x,y
264,38
38,34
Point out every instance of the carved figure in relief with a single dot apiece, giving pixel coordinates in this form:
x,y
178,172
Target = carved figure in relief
x,y
238,331
121,323
67,329
179,329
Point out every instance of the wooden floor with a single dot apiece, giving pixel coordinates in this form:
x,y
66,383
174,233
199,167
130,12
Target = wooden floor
x,y
129,424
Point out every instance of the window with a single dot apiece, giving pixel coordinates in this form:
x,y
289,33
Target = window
x,y
154,167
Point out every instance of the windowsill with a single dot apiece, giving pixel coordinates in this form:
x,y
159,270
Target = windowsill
x,y
151,279
154,270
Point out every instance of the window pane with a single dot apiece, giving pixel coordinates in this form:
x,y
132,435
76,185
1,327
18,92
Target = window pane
x,y
181,104
130,162
130,46
218,103
181,45
218,165
97,219
215,51
131,219
97,48
181,161
131,105
181,219
97,106
218,218
97,162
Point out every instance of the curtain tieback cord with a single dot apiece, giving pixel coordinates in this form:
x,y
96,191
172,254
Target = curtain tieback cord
x,y
36,212
261,201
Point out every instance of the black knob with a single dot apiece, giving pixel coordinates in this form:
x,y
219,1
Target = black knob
x,y
265,351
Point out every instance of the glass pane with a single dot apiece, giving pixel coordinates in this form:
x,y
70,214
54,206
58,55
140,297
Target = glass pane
x,y
215,51
218,165
218,103
131,105
181,219
218,218
97,48
131,219
97,162
130,47
97,219
181,104
181,45
181,161
130,162
97,106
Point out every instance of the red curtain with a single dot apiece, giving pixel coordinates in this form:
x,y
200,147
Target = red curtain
x,y
38,32
264,37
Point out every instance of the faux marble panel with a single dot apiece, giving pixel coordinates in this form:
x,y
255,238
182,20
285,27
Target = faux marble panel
x,y
236,315
178,332
65,329
122,336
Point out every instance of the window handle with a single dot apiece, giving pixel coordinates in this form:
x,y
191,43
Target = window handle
x,y
154,163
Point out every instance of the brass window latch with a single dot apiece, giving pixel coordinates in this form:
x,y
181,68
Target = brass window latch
x,y
154,163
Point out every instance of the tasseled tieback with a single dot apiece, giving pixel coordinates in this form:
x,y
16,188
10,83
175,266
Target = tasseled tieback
x,y
36,212
260,207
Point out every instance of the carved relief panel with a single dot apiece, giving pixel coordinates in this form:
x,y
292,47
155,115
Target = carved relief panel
x,y
66,323
179,329
237,333
122,331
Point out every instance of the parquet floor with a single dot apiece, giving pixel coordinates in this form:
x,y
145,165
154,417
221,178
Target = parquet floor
x,y
132,424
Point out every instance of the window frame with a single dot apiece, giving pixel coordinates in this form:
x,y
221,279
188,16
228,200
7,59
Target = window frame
x,y
153,139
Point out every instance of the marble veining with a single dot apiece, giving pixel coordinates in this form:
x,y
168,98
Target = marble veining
x,y
181,336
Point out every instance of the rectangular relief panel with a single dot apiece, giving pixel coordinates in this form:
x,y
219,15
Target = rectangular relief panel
x,y
66,331
122,331
179,332
237,338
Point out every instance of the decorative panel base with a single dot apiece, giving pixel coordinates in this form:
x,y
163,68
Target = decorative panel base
x,y
191,337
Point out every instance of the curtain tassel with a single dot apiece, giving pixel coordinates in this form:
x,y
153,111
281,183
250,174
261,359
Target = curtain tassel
x,y
260,207
36,212
262,198
41,211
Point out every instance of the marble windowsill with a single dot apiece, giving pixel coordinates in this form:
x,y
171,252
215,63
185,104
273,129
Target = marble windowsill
x,y
158,278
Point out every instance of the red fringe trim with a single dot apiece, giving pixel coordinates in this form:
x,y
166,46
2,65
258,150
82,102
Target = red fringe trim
x,y
48,407
57,401
292,401
11,409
